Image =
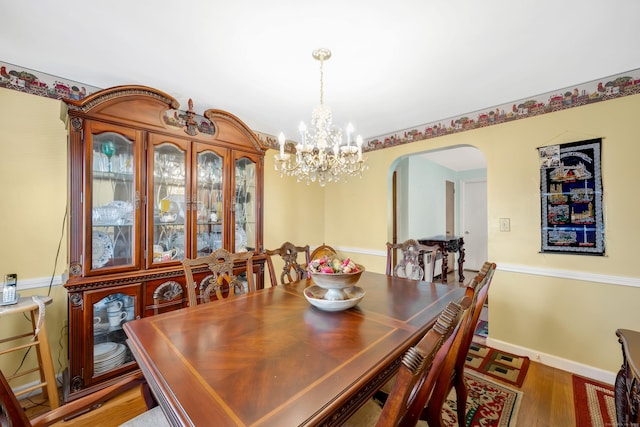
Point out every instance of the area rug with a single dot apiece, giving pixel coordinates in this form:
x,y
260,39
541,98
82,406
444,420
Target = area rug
x,y
594,403
489,404
482,330
498,364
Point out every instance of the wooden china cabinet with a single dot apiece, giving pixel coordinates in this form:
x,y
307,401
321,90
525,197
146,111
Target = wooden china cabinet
x,y
149,185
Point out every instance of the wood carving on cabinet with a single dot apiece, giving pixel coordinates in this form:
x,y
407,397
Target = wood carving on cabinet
x,y
149,185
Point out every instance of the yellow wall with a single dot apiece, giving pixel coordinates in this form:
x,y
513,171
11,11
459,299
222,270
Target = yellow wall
x,y
33,172
564,318
568,318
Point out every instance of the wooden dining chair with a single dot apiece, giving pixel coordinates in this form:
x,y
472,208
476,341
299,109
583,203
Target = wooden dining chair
x,y
452,374
410,264
292,271
221,281
452,371
416,375
80,409
323,251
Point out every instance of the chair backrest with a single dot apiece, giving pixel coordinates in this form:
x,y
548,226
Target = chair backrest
x,y
12,413
411,265
453,368
221,281
292,271
322,251
418,370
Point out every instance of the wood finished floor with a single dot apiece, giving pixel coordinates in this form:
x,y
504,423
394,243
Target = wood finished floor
x,y
547,397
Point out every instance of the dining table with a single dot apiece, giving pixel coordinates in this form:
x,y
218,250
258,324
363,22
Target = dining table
x,y
270,358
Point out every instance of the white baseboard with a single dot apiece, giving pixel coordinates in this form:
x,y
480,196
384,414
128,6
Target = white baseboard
x,y
556,362
36,391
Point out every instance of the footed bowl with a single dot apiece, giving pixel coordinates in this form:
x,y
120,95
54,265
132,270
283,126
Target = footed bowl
x,y
336,282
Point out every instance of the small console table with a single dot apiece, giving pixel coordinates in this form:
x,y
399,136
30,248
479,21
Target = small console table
x,y
627,388
447,244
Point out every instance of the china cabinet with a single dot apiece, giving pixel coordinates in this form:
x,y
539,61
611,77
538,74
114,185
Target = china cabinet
x,y
149,185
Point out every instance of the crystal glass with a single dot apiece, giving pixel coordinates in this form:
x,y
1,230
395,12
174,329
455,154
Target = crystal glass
x,y
108,149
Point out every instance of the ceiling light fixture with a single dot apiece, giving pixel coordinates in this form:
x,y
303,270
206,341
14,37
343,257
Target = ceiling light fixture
x,y
321,155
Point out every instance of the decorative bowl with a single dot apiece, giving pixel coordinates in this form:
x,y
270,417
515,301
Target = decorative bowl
x,y
335,283
168,216
316,296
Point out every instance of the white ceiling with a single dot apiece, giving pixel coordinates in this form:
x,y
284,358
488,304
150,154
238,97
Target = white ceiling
x,y
395,64
458,159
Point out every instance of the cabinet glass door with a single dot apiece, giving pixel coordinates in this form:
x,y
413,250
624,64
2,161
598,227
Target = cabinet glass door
x,y
246,208
113,200
111,309
169,204
209,203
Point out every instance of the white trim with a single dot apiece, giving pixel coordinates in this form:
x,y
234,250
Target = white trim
x,y
362,251
35,391
525,269
556,362
39,282
568,274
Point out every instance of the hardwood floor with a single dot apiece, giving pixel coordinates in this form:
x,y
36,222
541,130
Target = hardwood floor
x,y
547,398
112,414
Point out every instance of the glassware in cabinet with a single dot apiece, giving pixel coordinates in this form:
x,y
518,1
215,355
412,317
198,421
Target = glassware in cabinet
x,y
168,200
110,309
210,202
113,193
245,204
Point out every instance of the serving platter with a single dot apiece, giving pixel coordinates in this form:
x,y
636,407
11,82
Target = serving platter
x,y
101,249
315,295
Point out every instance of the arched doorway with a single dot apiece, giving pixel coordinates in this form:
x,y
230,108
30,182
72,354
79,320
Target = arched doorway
x,y
422,183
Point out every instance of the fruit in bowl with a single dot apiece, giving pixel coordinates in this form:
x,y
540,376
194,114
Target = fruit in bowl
x,y
334,275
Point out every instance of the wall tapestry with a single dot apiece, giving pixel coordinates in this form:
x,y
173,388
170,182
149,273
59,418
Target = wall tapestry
x,y
571,198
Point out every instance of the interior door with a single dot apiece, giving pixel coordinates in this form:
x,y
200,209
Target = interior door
x,y
474,223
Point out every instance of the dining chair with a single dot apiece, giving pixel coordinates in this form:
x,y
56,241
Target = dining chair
x,y
221,279
452,375
411,264
416,376
453,367
322,251
292,271
14,415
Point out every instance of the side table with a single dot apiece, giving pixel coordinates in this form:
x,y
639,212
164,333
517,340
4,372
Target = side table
x,y
41,344
627,387
447,244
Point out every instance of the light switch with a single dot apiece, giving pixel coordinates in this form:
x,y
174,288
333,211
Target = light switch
x,y
505,224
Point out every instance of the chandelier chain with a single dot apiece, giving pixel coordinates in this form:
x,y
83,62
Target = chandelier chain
x,y
321,81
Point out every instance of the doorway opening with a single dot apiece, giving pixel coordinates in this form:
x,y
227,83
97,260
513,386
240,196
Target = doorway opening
x,y
429,194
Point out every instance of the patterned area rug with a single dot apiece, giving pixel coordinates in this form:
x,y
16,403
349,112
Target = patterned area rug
x,y
498,364
593,402
489,404
482,330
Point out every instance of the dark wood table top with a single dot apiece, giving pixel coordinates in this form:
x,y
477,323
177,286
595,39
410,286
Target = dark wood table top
x,y
271,359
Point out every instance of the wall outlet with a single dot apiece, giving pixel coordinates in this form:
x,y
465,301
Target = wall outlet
x,y
505,224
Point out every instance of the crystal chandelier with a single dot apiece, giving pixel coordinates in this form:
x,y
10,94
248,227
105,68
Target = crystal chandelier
x,y
321,154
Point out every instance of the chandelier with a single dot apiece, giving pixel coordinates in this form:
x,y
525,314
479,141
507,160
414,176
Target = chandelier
x,y
321,154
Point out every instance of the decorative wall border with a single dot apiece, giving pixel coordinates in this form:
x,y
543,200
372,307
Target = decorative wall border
x,y
618,85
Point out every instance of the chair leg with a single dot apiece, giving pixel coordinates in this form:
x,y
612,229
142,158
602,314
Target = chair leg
x,y
461,400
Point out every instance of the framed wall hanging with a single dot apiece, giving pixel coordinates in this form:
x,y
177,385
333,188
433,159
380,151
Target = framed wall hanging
x,y
571,198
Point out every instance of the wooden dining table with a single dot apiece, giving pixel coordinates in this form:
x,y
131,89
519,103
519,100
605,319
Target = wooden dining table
x,y
269,358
